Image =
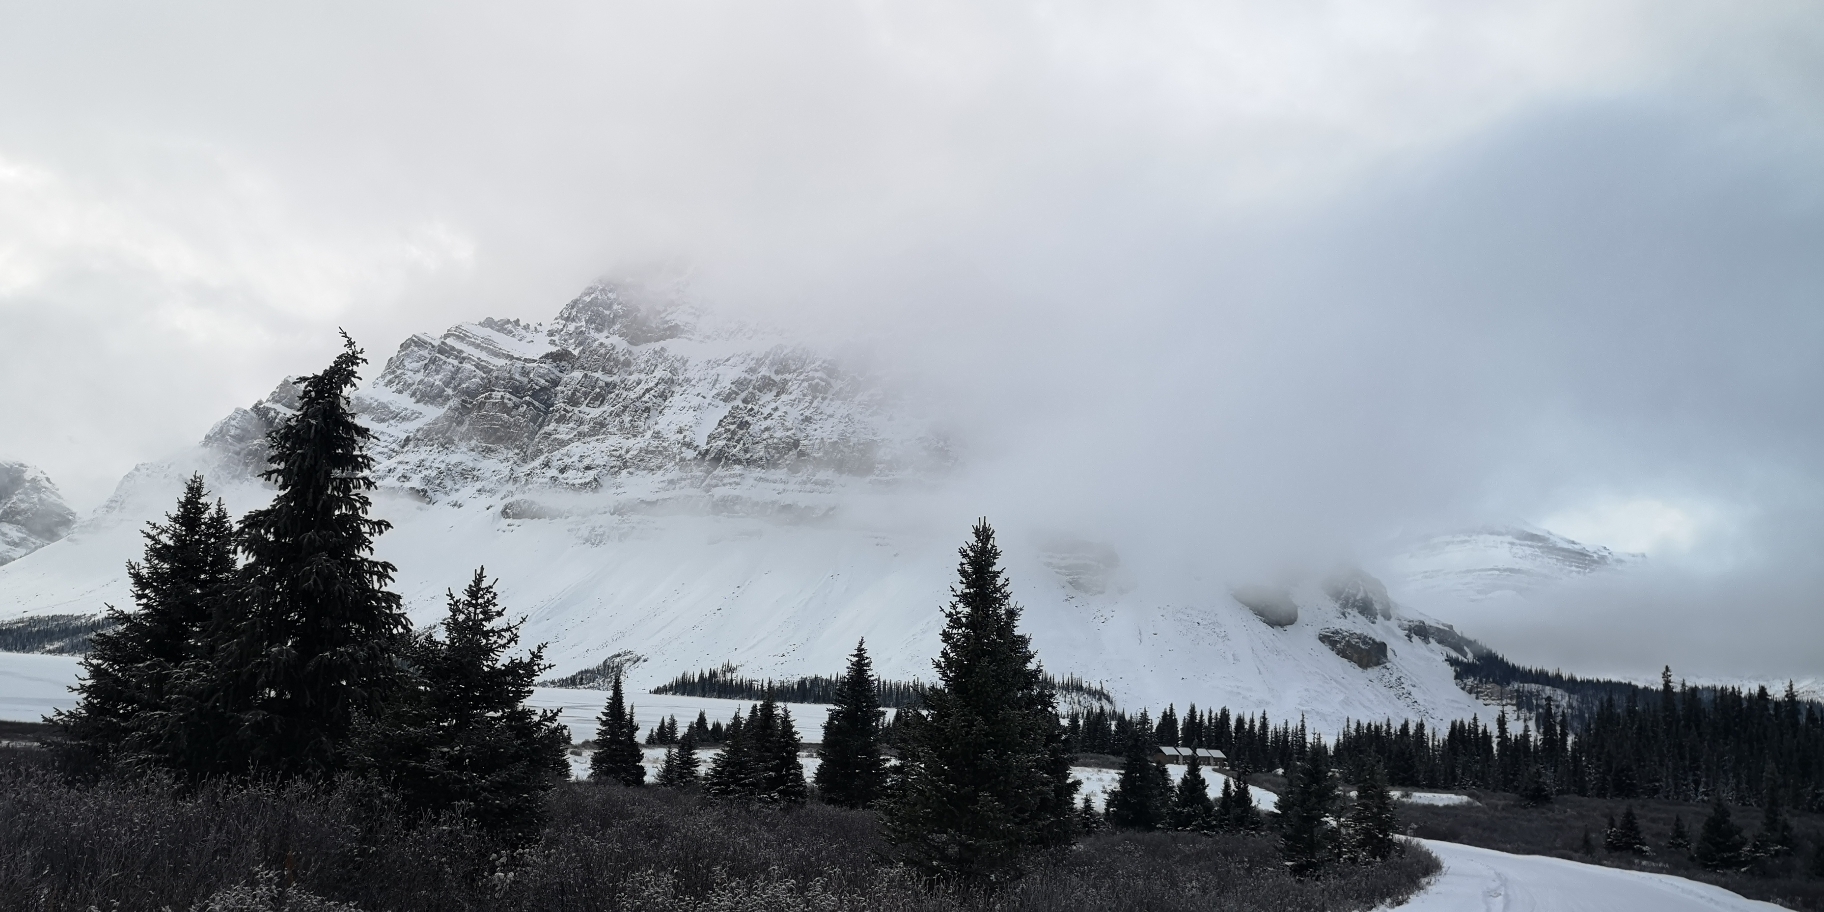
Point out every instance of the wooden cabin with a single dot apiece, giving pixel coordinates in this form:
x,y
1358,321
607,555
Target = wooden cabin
x,y
1214,759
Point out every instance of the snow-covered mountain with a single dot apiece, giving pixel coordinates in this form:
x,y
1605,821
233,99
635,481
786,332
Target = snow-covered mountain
x,y
645,479
1481,563
32,511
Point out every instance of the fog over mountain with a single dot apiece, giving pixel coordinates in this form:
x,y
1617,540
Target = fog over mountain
x,y
1256,293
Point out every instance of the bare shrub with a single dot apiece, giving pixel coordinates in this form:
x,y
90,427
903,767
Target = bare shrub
x,y
69,847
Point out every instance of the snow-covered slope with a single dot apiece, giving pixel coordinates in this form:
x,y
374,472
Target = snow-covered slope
x,y
32,511
644,478
1483,563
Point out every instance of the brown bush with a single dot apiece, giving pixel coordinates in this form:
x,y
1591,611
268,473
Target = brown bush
x,y
152,845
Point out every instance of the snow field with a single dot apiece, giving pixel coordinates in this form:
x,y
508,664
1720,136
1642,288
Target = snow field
x,y
31,686
1484,880
1435,799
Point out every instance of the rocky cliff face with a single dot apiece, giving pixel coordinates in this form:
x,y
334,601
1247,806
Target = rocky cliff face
x,y
32,511
625,393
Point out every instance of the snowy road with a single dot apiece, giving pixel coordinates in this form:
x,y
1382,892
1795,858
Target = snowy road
x,y
1483,880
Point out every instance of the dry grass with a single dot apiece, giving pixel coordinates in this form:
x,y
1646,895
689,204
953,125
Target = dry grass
x,y
145,845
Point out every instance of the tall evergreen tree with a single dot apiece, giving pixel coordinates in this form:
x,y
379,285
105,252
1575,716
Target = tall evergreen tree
x,y
1244,814
759,760
853,772
784,772
732,769
617,748
317,643
1369,829
458,736
1719,843
986,779
1679,839
1089,820
1625,836
127,711
1307,840
1775,837
1192,808
1142,799
1535,788
680,767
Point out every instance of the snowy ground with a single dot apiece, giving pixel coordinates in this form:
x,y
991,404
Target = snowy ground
x,y
31,686
1437,799
1483,880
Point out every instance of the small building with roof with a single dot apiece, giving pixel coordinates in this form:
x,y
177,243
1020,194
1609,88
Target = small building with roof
x,y
1205,756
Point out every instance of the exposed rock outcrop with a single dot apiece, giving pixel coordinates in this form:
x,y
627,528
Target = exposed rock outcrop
x,y
1444,635
1356,591
32,511
1365,651
628,392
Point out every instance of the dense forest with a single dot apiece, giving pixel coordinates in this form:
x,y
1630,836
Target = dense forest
x,y
1679,743
728,684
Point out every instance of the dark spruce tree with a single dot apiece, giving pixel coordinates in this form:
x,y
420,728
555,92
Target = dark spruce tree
x,y
733,768
128,711
985,777
1243,815
1224,816
1369,829
1680,838
776,774
1192,808
617,748
853,772
1775,838
458,735
1142,799
1720,846
680,768
1625,836
1307,840
1089,820
317,642
1535,787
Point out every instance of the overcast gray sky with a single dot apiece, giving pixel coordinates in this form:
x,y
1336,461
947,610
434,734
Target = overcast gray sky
x,y
1284,277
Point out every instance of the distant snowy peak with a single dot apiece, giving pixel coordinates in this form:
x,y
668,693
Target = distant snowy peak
x,y
625,392
32,511
1483,562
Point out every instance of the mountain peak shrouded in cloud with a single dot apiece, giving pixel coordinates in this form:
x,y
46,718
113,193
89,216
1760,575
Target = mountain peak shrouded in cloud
x,y
1478,563
629,394
647,479
1225,288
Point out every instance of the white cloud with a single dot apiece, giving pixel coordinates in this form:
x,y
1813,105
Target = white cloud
x,y
1641,525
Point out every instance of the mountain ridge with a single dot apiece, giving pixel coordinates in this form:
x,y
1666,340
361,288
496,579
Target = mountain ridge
x,y
32,511
645,479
